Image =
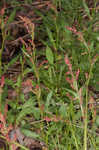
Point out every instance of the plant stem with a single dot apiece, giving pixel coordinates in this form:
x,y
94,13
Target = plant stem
x,y
86,110
1,51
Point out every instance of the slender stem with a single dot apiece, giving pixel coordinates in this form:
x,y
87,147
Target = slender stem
x,y
1,51
86,110
85,121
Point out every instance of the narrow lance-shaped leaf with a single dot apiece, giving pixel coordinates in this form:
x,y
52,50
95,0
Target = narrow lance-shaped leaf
x,y
12,16
86,8
49,55
30,133
48,100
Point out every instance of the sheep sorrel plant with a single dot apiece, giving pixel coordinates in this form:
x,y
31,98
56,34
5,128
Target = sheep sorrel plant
x,y
78,95
49,75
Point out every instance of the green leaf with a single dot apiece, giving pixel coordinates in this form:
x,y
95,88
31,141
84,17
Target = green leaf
x,y
28,103
97,120
25,52
36,113
86,8
26,71
50,35
97,140
9,82
49,55
10,63
11,18
48,100
28,108
19,80
73,93
23,113
29,133
62,110
61,73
